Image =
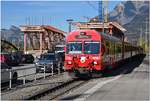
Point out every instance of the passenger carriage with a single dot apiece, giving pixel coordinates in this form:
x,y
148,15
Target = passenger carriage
x,y
88,51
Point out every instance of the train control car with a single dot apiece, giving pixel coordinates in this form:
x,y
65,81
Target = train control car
x,y
89,52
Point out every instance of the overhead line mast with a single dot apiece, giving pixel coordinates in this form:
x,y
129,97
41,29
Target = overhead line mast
x,y
106,8
103,11
100,11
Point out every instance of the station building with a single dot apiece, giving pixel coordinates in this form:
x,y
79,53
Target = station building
x,y
111,28
38,39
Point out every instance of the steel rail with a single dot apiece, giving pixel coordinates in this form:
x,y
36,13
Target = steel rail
x,y
52,93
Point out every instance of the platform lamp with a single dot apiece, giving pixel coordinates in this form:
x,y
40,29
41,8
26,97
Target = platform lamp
x,y
69,22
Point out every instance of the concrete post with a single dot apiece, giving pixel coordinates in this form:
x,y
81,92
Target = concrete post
x,y
25,42
24,78
10,79
44,71
41,45
52,70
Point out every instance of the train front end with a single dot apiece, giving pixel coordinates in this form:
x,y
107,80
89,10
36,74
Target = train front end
x,y
83,52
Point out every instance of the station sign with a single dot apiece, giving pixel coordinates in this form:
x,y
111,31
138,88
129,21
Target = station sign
x,y
83,36
93,25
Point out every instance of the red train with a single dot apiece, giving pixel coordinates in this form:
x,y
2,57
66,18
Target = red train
x,y
88,51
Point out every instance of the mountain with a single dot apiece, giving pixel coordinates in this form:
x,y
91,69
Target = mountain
x,y
133,15
126,11
12,35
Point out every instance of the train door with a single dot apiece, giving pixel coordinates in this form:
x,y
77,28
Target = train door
x,y
118,52
112,53
108,57
103,52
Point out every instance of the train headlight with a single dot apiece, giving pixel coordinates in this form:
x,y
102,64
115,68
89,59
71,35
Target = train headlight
x,y
95,63
69,62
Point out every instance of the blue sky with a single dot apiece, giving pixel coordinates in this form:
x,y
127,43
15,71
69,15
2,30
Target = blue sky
x,y
52,12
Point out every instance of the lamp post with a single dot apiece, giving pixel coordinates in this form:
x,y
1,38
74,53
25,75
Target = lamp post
x,y
69,22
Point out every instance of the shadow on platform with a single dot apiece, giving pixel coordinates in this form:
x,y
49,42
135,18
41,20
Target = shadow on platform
x,y
127,67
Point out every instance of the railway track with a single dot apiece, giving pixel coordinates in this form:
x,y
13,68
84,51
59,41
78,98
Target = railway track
x,y
53,93
65,87
54,90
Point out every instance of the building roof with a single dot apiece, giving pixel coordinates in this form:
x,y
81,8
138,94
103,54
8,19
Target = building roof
x,y
48,27
118,26
34,28
83,25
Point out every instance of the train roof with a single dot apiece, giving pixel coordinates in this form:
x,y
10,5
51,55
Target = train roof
x,y
83,34
108,37
96,34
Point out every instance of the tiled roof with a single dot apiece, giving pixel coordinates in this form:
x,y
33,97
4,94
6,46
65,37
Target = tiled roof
x,y
48,27
100,25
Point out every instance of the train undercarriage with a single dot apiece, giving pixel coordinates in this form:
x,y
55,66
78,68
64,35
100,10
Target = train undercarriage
x,y
84,73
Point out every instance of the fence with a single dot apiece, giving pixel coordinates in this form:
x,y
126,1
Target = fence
x,y
25,74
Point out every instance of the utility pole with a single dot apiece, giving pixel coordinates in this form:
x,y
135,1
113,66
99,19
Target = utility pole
x,y
141,38
146,33
105,10
100,11
69,22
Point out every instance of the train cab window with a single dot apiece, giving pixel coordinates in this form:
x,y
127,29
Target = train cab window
x,y
91,47
74,48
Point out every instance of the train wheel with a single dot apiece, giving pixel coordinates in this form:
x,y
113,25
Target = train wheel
x,y
70,75
96,74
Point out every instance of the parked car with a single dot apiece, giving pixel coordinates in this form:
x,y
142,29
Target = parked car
x,y
27,58
60,57
9,59
59,48
48,60
5,73
18,56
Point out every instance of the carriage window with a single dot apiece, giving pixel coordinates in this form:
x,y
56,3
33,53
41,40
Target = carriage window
x,y
91,47
74,48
